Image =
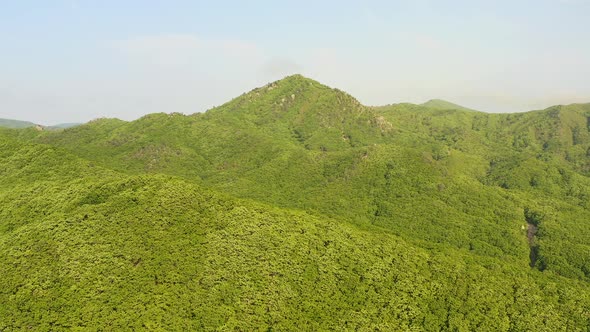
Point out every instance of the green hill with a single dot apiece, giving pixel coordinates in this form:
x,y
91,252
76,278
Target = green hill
x,y
294,207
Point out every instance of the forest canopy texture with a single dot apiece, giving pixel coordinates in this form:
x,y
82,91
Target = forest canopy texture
x,y
295,207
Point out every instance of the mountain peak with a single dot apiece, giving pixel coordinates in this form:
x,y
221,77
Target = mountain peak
x,y
306,111
294,90
296,81
296,78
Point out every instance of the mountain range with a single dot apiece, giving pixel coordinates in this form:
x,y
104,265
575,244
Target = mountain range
x,y
295,207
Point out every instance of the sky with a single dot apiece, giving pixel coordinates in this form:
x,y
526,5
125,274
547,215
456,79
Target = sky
x,y
74,61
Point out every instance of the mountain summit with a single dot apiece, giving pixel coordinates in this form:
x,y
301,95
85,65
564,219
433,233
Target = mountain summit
x,y
316,115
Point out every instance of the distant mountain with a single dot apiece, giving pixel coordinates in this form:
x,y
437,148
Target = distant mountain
x,y
8,123
439,104
65,125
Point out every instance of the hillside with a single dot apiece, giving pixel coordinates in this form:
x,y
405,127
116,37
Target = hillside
x,y
98,249
294,206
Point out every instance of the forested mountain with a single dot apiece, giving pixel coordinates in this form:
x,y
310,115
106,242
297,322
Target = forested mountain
x,y
295,207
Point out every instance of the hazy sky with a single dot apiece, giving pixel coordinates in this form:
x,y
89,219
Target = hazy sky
x,y
72,61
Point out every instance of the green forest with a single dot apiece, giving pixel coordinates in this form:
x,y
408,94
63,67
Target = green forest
x,y
294,207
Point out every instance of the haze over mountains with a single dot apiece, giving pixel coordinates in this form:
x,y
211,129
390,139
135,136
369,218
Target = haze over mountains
x,y
295,207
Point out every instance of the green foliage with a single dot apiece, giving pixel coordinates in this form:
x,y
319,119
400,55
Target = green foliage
x,y
294,207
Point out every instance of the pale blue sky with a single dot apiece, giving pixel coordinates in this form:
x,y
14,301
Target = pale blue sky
x,y
69,61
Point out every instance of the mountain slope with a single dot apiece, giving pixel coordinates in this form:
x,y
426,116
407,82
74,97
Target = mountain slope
x,y
98,249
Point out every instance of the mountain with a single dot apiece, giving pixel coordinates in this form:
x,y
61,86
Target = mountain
x,y
65,125
295,207
298,144
8,123
439,104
